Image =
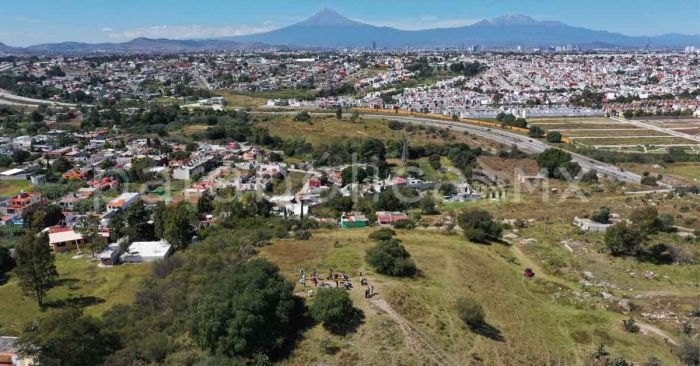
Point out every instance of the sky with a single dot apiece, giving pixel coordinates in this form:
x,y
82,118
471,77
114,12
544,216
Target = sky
x,y
27,22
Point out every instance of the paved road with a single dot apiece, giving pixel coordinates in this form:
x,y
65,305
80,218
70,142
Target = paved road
x,y
31,102
523,143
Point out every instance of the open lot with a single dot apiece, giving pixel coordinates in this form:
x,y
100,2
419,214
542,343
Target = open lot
x,y
11,187
609,134
80,283
525,324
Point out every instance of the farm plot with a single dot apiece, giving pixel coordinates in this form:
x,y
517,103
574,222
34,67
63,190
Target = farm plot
x,y
603,133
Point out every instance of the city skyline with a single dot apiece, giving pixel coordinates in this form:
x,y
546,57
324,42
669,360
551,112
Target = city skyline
x,y
34,22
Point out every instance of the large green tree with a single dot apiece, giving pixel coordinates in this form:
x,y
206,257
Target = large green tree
x,y
67,338
246,310
478,226
334,309
557,163
36,267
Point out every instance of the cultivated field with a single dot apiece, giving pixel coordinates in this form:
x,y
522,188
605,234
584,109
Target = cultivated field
x,y
603,133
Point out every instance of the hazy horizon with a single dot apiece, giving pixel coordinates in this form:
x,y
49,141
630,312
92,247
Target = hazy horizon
x,y
44,21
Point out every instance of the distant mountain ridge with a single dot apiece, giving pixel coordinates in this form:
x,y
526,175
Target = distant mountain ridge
x,y
329,29
136,45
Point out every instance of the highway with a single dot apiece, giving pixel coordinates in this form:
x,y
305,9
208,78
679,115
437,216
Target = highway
x,y
30,102
524,143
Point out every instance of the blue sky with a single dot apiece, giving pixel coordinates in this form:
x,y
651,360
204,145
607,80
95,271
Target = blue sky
x,y
25,22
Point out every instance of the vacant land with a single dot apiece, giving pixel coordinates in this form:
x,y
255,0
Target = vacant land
x,y
81,283
243,101
540,321
609,134
322,130
11,187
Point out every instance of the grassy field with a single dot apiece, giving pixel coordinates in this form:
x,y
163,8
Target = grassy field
x,y
243,101
12,187
688,173
540,321
80,283
324,129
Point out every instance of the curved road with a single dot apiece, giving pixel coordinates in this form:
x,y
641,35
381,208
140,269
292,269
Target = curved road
x,y
524,143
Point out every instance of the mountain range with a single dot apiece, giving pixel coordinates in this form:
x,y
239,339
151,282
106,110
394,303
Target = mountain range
x,y
329,29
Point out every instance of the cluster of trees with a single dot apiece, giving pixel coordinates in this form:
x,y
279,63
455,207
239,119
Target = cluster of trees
x,y
508,119
467,69
478,225
633,238
557,164
388,256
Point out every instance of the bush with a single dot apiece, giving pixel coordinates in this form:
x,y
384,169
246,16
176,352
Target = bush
x,y
302,235
689,350
630,325
602,215
478,225
470,311
536,132
405,224
382,234
623,239
303,117
649,181
391,258
553,137
333,308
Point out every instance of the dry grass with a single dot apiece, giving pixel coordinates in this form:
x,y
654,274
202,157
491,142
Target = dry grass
x,y
539,321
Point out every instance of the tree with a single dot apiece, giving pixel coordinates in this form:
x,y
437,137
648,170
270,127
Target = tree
x,y
557,162
41,215
334,309
623,239
470,311
36,116
428,206
67,337
20,156
602,215
339,113
248,309
7,263
646,220
554,137
535,132
354,116
36,267
478,225
303,117
205,204
391,258
89,228
178,225
352,175
689,350
159,220
590,176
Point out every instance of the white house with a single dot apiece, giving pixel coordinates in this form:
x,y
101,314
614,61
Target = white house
x,y
146,251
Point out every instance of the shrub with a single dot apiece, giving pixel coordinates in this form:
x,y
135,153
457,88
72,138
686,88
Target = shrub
x,y
536,132
623,239
478,225
470,311
382,234
391,258
602,215
405,224
590,176
689,350
333,308
649,181
302,235
630,325
553,137
302,117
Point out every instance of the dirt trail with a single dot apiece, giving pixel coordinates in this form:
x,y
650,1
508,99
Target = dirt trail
x,y
415,340
647,328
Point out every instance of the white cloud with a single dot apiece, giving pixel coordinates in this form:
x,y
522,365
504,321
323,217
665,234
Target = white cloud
x,y
187,31
424,22
106,29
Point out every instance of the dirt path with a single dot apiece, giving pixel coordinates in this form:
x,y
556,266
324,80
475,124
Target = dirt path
x,y
415,341
648,328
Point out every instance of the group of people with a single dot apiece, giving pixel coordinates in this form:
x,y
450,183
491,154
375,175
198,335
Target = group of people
x,y
340,279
